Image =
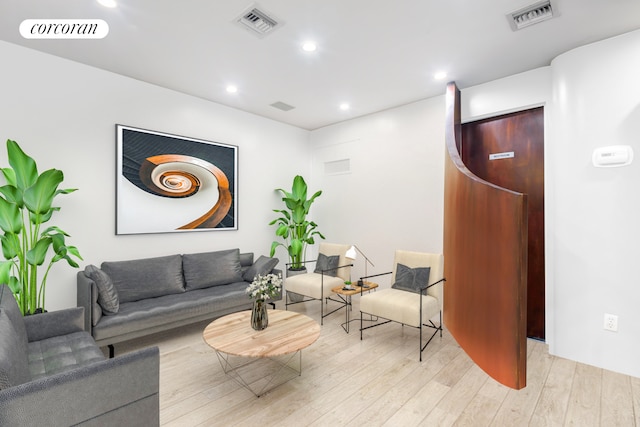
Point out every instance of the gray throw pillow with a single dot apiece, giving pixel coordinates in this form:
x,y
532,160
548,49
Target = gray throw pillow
x,y
96,309
261,267
107,293
140,279
203,270
246,259
328,264
411,279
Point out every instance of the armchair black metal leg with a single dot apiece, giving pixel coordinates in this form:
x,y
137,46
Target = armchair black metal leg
x,y
420,348
112,351
420,327
273,305
322,298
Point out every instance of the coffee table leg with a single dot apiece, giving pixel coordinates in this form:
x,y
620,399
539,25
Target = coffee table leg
x,y
234,371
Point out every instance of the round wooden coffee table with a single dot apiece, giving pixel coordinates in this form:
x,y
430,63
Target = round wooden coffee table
x,y
287,334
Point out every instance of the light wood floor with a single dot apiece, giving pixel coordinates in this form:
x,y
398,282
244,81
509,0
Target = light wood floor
x,y
379,382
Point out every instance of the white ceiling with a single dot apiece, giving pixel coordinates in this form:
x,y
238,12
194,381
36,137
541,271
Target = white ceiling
x,y
373,54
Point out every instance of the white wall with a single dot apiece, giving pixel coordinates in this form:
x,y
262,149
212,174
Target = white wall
x,y
392,198
596,102
63,114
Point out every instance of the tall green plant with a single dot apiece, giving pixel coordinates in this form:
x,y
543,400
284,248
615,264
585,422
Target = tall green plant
x,y
293,226
26,203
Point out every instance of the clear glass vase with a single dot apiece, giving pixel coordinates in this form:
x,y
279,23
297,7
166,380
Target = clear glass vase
x,y
259,316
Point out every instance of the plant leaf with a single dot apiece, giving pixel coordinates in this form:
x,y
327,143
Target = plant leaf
x,y
9,176
37,254
75,252
24,167
12,194
66,191
15,285
10,246
5,271
296,247
283,231
10,218
274,245
39,197
54,229
299,188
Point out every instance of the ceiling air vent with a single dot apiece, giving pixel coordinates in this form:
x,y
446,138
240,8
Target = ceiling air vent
x,y
258,21
530,15
282,106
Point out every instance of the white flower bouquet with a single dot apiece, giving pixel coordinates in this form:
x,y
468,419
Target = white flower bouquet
x,y
265,287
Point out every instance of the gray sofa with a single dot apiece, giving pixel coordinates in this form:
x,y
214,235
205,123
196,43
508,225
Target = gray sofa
x,y
52,373
124,300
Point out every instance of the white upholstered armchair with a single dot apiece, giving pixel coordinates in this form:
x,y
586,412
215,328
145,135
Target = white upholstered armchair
x,y
332,269
415,297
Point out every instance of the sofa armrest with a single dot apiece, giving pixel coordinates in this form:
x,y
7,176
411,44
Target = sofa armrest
x,y
54,323
118,391
84,298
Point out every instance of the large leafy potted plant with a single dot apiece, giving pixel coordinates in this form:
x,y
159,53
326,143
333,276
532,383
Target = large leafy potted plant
x,y
293,227
26,204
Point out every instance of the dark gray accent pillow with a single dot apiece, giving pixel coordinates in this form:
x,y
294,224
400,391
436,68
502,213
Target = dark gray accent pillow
x,y
107,293
208,269
411,279
262,266
140,279
327,263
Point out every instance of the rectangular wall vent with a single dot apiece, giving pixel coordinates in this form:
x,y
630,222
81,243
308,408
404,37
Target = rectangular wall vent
x,y
282,106
530,15
337,167
258,21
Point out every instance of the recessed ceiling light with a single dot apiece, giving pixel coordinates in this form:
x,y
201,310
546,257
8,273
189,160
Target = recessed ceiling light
x,y
108,3
344,106
309,46
440,75
232,88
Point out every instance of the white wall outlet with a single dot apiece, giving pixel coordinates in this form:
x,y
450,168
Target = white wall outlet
x,y
610,322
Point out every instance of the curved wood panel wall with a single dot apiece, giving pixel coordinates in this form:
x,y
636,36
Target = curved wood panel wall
x,y
485,252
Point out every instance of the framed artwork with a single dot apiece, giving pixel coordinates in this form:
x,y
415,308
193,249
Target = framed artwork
x,y
168,183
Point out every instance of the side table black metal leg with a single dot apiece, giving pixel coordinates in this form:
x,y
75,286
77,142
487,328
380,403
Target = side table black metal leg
x,y
347,310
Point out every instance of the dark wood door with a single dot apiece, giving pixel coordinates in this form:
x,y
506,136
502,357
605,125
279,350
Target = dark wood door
x,y
509,151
